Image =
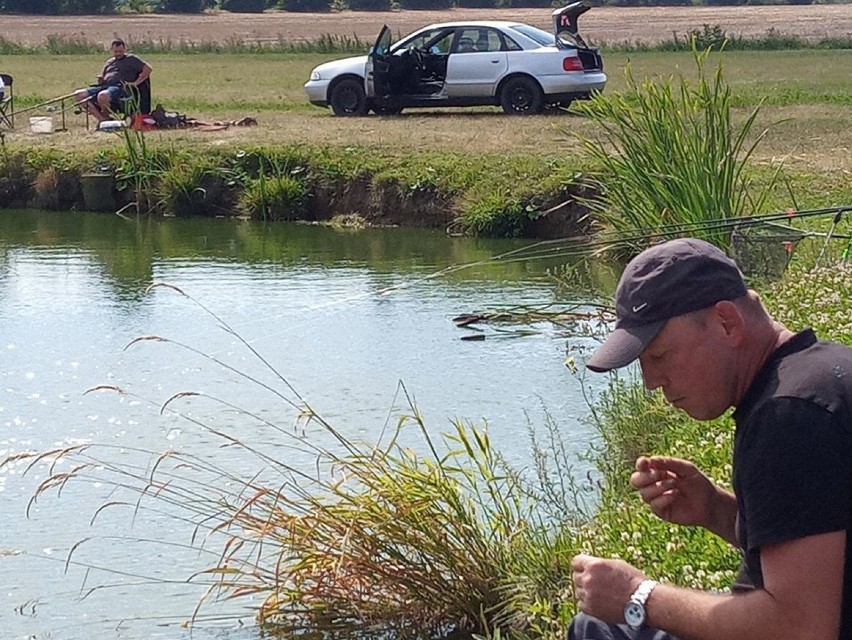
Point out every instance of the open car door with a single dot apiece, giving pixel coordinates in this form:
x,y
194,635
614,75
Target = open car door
x,y
378,64
566,27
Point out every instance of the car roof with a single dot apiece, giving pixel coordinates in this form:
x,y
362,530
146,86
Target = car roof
x,y
497,24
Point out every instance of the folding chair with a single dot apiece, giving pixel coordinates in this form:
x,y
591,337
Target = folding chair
x,y
136,100
7,104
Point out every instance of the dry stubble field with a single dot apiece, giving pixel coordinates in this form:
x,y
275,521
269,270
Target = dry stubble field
x,y
602,24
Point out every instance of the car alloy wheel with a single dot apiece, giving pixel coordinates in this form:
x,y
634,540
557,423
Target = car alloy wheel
x,y
348,98
521,96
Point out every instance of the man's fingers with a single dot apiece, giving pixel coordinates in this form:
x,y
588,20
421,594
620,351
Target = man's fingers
x,y
676,466
642,464
640,479
661,504
579,562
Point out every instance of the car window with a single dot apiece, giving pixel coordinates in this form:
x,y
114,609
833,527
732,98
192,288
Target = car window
x,y
433,40
478,40
488,40
509,44
543,38
466,39
442,43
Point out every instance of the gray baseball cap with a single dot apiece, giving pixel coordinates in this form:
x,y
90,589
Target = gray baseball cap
x,y
664,281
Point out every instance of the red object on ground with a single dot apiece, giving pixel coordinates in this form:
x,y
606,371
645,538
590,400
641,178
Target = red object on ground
x,y
142,122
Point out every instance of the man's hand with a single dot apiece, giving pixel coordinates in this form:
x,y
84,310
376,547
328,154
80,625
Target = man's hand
x,y
603,587
678,492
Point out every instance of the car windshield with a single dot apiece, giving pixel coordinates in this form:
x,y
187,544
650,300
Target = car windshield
x,y
543,38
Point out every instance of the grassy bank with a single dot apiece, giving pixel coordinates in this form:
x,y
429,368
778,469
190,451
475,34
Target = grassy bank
x,y
495,195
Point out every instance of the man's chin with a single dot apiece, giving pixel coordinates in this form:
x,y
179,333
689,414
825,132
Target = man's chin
x,y
700,413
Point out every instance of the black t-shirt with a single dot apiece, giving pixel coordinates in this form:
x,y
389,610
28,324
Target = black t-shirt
x,y
124,69
793,455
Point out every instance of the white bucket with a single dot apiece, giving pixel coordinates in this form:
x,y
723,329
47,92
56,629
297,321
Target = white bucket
x,y
41,124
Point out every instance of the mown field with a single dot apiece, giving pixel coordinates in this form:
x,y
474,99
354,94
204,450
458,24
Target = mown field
x,y
806,99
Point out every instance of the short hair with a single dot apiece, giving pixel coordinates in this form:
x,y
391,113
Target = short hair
x,y
118,42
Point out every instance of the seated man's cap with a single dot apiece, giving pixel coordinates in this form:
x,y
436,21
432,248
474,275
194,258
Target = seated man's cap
x,y
664,281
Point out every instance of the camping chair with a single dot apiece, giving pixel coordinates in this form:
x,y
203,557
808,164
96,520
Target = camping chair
x,y
7,104
136,100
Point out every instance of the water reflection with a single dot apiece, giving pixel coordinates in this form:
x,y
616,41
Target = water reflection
x,y
344,316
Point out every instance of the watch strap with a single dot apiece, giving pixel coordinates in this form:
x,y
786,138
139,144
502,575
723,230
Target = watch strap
x,y
643,592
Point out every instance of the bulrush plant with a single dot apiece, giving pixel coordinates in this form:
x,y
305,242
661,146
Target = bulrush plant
x,y
139,169
372,539
669,152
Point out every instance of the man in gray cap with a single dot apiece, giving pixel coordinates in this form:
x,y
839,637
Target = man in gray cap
x,y
706,341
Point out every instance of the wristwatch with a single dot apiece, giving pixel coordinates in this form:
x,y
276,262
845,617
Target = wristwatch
x,y
634,610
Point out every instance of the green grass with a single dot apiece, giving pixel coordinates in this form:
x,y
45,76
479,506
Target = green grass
x,y
213,82
778,78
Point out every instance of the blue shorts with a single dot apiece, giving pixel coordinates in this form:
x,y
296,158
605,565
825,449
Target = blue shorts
x,y
115,92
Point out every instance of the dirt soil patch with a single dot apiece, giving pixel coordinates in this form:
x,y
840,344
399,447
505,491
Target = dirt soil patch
x,y
602,24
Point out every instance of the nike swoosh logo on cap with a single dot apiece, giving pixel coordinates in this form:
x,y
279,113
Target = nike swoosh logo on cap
x,y
638,308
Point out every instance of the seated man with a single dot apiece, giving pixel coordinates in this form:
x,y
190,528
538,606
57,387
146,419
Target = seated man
x,y
120,70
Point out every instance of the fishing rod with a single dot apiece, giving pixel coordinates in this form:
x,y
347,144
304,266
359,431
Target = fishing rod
x,y
62,109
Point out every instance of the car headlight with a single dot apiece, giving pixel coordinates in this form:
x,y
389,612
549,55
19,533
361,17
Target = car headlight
x,y
315,75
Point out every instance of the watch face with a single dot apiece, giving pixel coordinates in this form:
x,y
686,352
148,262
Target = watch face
x,y
634,615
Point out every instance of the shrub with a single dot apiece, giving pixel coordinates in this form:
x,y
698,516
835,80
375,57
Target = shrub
x,y
88,7
274,198
182,6
245,6
305,6
370,5
478,4
39,7
425,4
520,4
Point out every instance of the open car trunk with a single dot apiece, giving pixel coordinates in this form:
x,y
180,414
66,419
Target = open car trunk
x,y
567,30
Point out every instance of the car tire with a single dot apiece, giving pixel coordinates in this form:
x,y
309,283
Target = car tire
x,y
348,98
521,96
560,106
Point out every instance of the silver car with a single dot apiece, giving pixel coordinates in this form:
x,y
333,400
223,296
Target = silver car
x,y
516,66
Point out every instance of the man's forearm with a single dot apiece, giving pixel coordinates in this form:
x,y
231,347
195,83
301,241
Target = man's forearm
x,y
756,615
723,516
143,75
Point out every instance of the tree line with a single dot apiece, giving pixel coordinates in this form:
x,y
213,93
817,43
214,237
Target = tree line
x,y
95,7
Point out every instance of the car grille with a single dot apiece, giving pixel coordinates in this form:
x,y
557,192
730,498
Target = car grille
x,y
591,59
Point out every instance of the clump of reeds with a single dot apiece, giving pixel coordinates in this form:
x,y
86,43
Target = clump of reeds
x,y
671,154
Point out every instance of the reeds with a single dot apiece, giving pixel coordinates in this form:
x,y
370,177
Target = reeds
x,y
670,153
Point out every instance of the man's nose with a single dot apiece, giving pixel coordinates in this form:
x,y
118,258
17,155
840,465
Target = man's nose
x,y
652,377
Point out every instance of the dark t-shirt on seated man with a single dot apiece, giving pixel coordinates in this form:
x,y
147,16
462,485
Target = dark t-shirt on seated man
x,y
124,69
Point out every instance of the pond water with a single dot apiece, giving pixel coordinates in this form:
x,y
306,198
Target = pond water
x,y
343,316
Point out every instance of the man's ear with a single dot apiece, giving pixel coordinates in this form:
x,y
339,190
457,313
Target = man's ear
x,y
730,320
